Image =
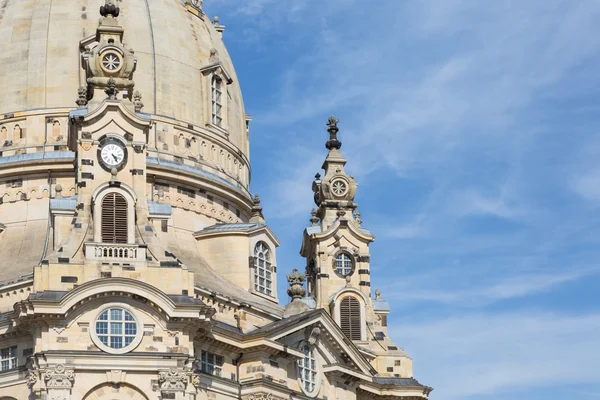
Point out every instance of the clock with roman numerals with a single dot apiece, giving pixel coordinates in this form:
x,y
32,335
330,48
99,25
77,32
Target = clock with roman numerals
x,y
112,154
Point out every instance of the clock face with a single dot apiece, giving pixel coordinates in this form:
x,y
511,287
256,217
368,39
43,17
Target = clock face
x,y
112,155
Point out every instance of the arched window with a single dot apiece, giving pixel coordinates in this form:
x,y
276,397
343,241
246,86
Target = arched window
x,y
263,278
350,320
343,264
114,219
217,101
307,372
18,133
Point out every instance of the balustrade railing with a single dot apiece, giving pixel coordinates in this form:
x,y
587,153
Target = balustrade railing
x,y
115,251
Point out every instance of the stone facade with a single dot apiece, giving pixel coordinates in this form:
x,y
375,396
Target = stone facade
x,y
134,261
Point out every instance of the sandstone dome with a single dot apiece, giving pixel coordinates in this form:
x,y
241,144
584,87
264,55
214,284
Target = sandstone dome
x,y
41,63
192,171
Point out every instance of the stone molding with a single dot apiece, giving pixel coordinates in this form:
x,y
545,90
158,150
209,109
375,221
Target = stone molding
x,y
261,396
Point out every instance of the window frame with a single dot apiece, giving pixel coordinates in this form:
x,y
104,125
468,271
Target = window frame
x,y
361,317
99,195
216,101
351,260
210,74
312,356
135,341
267,267
12,359
205,366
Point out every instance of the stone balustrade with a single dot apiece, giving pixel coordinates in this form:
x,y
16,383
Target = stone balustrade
x,y
115,252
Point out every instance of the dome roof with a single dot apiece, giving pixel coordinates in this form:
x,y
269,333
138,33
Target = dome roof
x,y
41,63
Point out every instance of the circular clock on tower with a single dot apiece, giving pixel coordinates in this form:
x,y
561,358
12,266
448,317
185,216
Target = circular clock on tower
x,y
112,154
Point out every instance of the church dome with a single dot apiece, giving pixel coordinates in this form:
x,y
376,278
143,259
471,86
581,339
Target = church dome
x,y
42,45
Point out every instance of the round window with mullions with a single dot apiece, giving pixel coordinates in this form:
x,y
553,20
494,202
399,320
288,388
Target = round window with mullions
x,y
343,264
116,330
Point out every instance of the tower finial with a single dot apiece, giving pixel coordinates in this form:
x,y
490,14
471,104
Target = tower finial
x,y
314,219
109,9
257,215
296,280
332,128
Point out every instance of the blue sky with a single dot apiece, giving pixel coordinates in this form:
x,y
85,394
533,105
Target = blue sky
x,y
472,130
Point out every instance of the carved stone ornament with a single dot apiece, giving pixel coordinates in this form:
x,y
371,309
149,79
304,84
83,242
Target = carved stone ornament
x,y
257,215
109,9
111,90
261,396
357,217
82,100
196,380
32,376
59,377
296,280
173,380
314,220
137,101
332,128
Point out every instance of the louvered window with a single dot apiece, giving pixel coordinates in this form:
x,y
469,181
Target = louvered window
x,y
114,218
350,318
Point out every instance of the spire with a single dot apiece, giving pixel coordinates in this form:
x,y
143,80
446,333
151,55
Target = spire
x,y
332,128
334,192
109,9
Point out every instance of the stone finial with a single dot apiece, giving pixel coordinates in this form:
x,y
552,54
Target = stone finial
x,y
137,101
296,280
348,280
357,217
109,9
82,100
377,295
111,91
332,128
257,215
314,220
113,173
218,27
58,189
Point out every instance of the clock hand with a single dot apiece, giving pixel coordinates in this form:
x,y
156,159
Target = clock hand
x,y
115,157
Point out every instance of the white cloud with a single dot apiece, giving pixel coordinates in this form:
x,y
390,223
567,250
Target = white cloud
x,y
479,355
474,290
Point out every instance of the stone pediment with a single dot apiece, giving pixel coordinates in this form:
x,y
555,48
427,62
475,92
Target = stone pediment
x,y
316,326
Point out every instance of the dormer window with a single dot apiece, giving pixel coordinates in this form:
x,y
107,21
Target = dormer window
x,y
263,272
216,80
217,101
